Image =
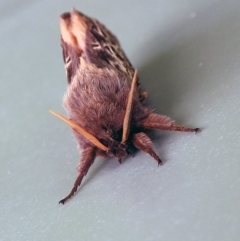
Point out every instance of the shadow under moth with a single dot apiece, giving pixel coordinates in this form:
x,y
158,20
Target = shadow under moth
x,y
104,101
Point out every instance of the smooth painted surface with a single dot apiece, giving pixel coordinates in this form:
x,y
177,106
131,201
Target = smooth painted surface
x,y
188,58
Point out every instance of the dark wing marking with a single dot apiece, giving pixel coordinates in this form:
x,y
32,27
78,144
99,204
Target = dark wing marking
x,y
102,45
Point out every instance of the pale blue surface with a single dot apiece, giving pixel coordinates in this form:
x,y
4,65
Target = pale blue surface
x,y
188,56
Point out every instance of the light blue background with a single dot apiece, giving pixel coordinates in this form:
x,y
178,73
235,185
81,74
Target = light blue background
x,y
188,57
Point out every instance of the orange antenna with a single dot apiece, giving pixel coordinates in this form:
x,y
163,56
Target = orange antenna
x,y
78,128
127,117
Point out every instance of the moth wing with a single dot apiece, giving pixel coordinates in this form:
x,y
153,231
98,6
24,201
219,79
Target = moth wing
x,y
85,37
103,49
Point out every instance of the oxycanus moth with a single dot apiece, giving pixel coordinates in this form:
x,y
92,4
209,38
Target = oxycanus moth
x,y
104,101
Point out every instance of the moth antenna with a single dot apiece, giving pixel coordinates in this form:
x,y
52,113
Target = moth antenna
x,y
127,117
87,135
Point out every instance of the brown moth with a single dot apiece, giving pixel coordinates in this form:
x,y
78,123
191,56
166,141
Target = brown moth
x,y
104,101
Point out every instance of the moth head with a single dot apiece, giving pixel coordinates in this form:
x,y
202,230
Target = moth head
x,y
118,149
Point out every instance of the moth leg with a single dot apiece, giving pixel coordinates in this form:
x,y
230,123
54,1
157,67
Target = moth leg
x,y
180,128
162,122
144,143
86,161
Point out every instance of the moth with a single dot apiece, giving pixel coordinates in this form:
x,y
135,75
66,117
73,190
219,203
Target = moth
x,y
104,101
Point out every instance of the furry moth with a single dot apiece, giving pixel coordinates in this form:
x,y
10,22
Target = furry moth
x,y
104,101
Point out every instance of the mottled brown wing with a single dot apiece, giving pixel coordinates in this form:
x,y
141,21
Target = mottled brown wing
x,y
102,45
86,37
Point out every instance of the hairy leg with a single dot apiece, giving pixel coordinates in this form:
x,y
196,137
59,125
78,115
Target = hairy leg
x,y
161,122
144,143
86,161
